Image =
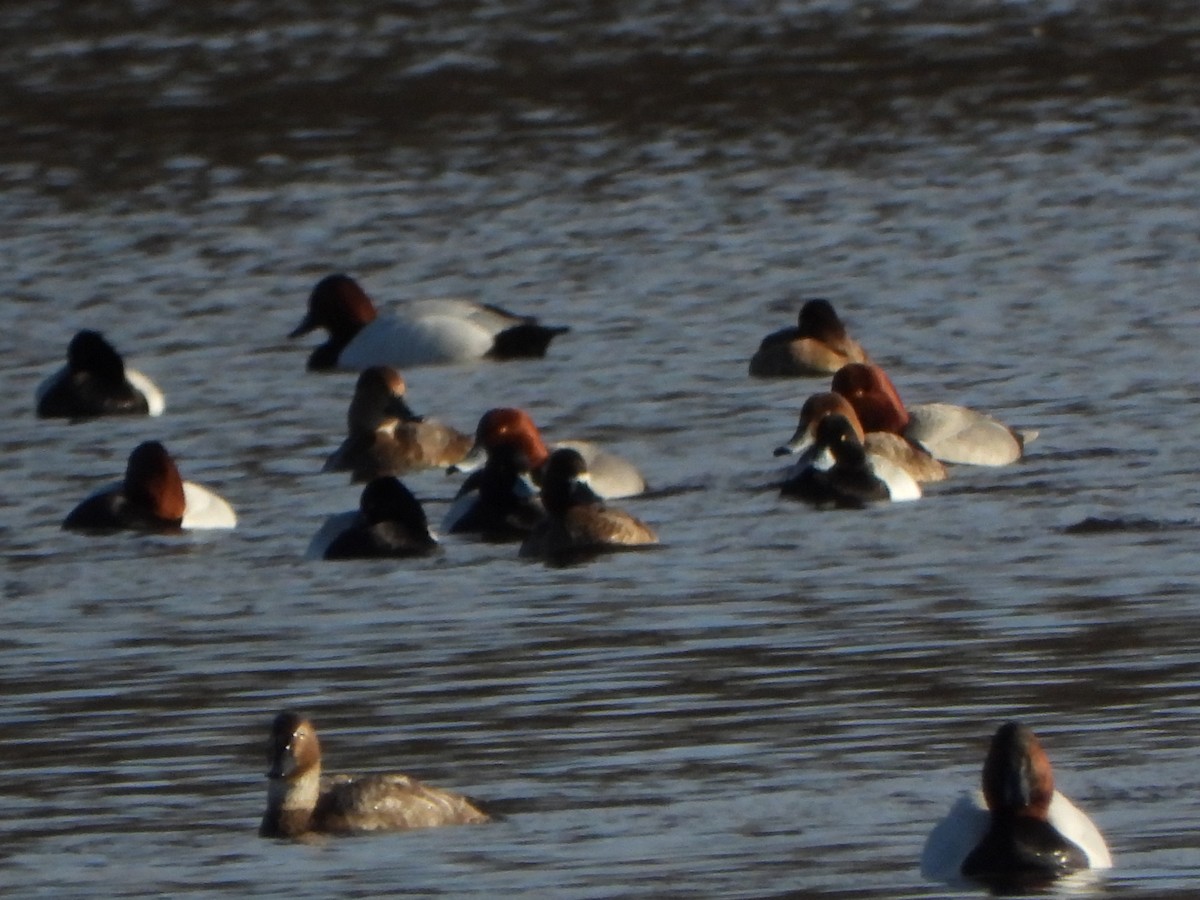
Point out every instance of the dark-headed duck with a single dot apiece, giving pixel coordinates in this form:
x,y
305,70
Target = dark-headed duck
x,y
818,345
577,521
96,382
390,522
152,497
300,801
423,332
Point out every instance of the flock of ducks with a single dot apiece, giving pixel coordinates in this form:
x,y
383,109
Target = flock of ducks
x,y
856,443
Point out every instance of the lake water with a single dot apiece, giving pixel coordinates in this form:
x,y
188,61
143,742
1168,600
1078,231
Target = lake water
x,y
1000,198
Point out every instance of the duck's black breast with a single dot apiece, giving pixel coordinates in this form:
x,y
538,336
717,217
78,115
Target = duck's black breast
x,y
1021,850
81,395
383,539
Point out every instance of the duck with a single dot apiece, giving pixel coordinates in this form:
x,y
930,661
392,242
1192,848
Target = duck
x,y
913,459
612,477
952,434
577,521
386,437
842,473
499,502
390,522
818,345
152,497
96,382
302,802
421,333
1019,832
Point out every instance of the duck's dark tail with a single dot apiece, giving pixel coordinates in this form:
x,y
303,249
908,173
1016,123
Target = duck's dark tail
x,y
528,339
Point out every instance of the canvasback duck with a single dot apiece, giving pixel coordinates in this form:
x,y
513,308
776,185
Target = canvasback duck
x,y
577,521
301,802
96,382
817,345
878,444
387,438
612,476
499,502
847,476
389,522
1019,832
153,497
952,434
421,333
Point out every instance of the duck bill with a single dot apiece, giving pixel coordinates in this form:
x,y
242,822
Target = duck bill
x,y
802,442
399,408
306,325
583,492
282,767
474,459
1015,785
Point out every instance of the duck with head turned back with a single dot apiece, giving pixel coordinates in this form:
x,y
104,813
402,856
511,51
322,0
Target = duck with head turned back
x,y
301,801
420,333
817,345
612,476
96,382
577,521
152,497
952,434
386,437
1020,832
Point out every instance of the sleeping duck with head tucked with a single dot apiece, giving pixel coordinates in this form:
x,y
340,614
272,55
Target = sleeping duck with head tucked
x,y
96,382
301,801
818,344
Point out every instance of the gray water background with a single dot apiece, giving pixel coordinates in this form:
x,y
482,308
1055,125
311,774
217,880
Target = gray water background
x,y
999,198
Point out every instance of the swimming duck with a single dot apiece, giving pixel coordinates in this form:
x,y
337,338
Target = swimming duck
x,y
913,459
152,497
386,437
300,801
424,332
817,345
577,521
1020,831
390,522
96,382
612,476
499,502
852,477
952,434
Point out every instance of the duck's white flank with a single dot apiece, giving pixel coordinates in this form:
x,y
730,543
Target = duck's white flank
x,y
205,509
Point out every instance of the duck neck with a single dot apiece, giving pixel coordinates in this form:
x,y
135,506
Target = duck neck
x,y
534,449
290,803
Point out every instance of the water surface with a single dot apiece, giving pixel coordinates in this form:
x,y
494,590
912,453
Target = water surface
x,y
998,198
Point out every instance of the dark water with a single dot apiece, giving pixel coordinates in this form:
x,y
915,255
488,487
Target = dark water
x,y
1001,200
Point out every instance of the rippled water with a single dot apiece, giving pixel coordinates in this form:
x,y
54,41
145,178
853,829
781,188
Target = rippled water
x,y
1000,198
